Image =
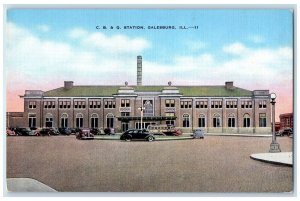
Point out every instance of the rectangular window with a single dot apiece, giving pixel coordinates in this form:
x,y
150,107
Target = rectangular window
x,y
185,104
232,104
94,104
170,103
125,114
216,104
79,104
201,122
125,103
231,122
263,104
246,122
109,104
49,104
32,104
262,120
32,120
216,122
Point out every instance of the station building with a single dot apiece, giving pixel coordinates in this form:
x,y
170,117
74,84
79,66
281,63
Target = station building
x,y
215,109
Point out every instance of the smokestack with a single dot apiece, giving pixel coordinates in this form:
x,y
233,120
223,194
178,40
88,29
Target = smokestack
x,y
139,71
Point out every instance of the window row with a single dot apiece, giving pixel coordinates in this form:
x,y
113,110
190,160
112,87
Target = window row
x,y
231,121
64,121
126,103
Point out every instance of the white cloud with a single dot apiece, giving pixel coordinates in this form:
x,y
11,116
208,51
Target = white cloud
x,y
115,43
235,48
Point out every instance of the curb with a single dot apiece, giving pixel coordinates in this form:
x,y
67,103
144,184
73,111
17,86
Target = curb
x,y
280,160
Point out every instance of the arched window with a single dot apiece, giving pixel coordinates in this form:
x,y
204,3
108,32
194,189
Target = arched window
x,y
201,120
49,120
79,120
246,120
94,120
109,120
231,120
216,120
186,120
64,120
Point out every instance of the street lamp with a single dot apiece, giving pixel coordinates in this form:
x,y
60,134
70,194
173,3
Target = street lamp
x,y
274,146
142,109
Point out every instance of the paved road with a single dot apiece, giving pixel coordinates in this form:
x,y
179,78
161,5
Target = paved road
x,y
215,164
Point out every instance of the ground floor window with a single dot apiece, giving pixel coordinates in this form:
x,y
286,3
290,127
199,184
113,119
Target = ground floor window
x,y
110,121
231,121
32,120
186,120
64,121
94,121
170,122
79,121
201,121
216,120
262,120
125,126
246,120
49,120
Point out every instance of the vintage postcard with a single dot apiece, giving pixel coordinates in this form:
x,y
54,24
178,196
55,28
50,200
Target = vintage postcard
x,y
149,99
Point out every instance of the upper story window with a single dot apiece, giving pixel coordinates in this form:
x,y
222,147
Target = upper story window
x,y
110,104
216,104
49,104
79,104
201,104
125,103
64,104
170,103
231,104
95,104
185,104
263,104
246,104
32,104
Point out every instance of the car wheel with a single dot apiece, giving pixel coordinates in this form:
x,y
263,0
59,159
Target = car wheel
x,y
150,138
127,139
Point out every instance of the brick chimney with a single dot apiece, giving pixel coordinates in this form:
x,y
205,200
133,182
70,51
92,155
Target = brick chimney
x,y
229,85
139,71
68,84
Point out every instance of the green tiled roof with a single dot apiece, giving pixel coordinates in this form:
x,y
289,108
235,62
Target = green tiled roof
x,y
98,91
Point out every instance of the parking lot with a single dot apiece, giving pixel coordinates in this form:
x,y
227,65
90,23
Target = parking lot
x,y
215,164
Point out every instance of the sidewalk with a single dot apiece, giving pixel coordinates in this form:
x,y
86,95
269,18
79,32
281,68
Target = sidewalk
x,y
280,158
27,185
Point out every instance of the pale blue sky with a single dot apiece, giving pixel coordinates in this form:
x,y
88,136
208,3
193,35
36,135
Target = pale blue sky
x,y
251,47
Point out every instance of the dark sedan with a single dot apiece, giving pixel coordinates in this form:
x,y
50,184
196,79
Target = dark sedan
x,y
65,131
136,134
24,132
47,131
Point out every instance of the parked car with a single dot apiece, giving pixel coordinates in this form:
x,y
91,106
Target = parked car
x,y
24,132
65,131
198,133
137,134
84,134
285,131
10,132
95,131
47,131
109,131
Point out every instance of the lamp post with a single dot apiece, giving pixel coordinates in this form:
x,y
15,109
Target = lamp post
x,y
142,109
274,146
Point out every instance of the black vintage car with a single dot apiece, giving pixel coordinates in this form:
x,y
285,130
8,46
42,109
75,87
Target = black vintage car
x,y
137,134
24,132
65,131
47,131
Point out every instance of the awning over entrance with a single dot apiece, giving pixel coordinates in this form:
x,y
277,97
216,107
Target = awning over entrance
x,y
153,118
